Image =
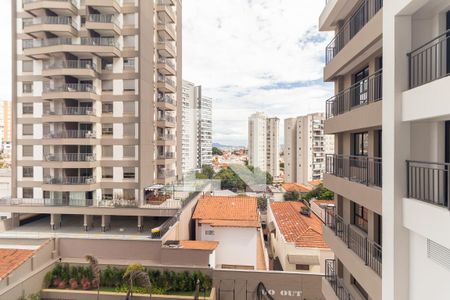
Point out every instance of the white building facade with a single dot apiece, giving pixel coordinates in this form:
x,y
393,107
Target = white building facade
x,y
305,148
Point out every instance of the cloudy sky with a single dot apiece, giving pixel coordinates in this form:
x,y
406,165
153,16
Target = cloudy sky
x,y
249,55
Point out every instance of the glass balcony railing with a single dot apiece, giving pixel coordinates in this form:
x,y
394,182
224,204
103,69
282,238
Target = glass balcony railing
x,y
75,180
86,157
70,134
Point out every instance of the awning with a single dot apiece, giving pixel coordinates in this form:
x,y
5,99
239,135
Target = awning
x,y
154,187
303,259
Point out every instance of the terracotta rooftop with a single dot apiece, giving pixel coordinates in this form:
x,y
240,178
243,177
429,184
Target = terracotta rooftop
x,y
199,245
224,211
296,187
296,228
315,182
323,202
11,259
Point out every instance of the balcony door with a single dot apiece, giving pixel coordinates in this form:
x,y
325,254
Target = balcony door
x,y
360,87
447,160
447,27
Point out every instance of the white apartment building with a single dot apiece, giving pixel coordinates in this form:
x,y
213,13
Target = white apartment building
x,y
96,94
196,128
305,148
263,143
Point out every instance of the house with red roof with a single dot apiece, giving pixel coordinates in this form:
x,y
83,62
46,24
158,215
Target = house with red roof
x,y
296,238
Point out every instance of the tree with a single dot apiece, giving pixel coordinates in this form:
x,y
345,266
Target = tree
x,y
136,274
291,196
319,193
216,151
262,203
95,268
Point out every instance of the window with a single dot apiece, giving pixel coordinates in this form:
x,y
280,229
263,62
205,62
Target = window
x,y
129,129
129,151
107,194
300,267
209,232
27,108
27,66
27,150
107,172
107,151
128,41
27,87
360,144
27,129
107,85
361,87
360,217
107,129
27,172
107,64
128,194
26,22
359,287
26,44
128,63
107,107
83,21
129,107
129,85
128,172
27,193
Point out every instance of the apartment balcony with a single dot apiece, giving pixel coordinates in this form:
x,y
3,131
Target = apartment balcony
x,y
70,183
165,158
166,85
103,24
70,160
71,114
44,48
165,176
70,137
358,106
428,81
51,202
358,178
166,30
69,180
82,69
70,91
166,49
59,7
166,140
165,8
166,121
166,102
58,25
356,40
333,286
105,6
166,66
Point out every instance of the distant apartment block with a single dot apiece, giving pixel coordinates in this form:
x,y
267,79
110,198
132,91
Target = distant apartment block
x,y
305,147
5,125
96,95
196,128
263,143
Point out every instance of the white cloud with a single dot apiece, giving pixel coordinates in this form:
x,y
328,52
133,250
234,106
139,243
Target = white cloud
x,y
246,54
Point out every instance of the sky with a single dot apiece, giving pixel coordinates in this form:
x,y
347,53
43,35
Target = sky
x,y
248,55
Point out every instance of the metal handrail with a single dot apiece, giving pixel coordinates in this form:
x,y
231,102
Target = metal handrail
x,y
54,20
71,134
166,137
70,87
72,111
73,2
70,64
166,80
70,157
166,99
165,173
361,169
166,155
85,41
166,118
162,60
99,18
70,180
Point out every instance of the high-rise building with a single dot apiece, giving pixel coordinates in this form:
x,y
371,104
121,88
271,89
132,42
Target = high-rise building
x,y
305,147
96,94
196,128
5,125
263,143
354,172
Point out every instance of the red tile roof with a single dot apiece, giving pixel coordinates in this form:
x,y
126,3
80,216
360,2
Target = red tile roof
x,y
296,187
11,259
199,245
315,182
224,211
296,228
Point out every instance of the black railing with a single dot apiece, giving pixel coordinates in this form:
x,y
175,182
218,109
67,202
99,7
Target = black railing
x,y
363,14
160,231
364,92
429,62
369,251
429,182
46,202
336,283
360,169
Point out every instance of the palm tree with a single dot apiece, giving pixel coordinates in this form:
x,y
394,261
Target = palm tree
x,y
135,274
93,264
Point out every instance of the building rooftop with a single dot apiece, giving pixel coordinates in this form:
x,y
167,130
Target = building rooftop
x,y
315,183
304,231
11,259
296,187
221,211
199,245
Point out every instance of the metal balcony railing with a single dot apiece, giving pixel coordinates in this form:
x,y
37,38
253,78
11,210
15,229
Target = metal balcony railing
x,y
169,62
360,169
167,44
166,99
46,202
166,137
166,155
70,87
364,92
69,64
429,62
165,2
97,18
166,118
71,134
369,251
70,180
70,157
70,111
73,2
53,20
162,174
365,12
85,41
336,283
429,182
167,80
